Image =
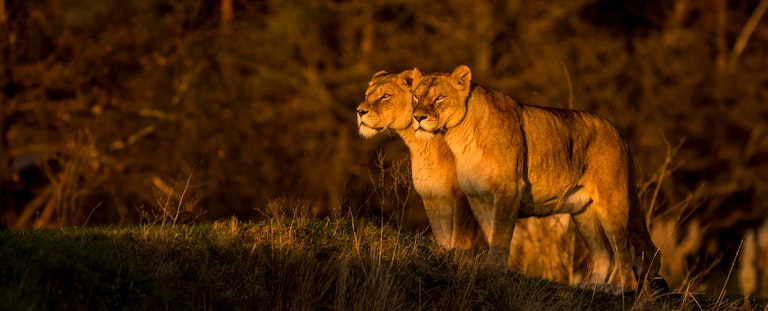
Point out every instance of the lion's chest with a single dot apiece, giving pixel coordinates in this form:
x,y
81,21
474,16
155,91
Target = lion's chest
x,y
432,167
476,176
433,181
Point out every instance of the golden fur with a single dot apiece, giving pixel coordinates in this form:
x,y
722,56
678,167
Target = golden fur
x,y
516,160
387,105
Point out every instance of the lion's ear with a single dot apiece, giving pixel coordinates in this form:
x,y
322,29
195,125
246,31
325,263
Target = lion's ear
x,y
404,78
417,73
416,76
462,75
376,75
408,77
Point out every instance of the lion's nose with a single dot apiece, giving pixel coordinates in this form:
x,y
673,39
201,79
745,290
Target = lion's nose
x,y
419,117
361,112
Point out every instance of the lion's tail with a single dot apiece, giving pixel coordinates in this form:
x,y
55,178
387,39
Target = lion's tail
x,y
647,256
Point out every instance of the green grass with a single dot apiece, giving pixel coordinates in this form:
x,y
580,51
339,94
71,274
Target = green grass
x,y
279,264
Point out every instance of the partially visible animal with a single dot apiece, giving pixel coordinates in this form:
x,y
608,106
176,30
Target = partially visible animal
x,y
387,106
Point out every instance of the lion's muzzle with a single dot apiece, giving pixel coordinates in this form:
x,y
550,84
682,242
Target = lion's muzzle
x,y
418,116
367,127
361,112
424,125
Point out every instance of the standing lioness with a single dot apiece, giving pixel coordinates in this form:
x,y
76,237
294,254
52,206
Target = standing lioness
x,y
514,159
387,105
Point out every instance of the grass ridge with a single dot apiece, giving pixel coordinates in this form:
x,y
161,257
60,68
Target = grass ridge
x,y
279,264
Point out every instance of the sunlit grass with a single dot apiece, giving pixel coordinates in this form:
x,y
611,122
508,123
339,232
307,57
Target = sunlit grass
x,y
279,264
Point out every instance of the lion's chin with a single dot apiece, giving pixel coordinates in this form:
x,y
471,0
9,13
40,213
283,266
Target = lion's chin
x,y
367,131
424,134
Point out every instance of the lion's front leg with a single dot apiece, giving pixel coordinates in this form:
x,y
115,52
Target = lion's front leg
x,y
505,210
452,222
497,218
466,231
440,214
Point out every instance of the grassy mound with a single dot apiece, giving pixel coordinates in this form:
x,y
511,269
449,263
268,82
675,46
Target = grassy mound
x,y
280,264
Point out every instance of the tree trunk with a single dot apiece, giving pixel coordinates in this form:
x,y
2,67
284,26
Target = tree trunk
x,y
2,14
225,32
366,41
721,30
484,33
5,159
227,12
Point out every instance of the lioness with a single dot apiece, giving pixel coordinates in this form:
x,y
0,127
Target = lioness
x,y
516,160
387,105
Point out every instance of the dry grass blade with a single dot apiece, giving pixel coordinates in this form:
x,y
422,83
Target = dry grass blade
x,y
725,284
746,33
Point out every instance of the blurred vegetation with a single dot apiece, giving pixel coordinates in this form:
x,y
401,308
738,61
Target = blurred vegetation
x,y
114,110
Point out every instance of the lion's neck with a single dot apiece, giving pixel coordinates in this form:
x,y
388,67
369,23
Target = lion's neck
x,y
489,113
408,135
465,132
415,144
432,148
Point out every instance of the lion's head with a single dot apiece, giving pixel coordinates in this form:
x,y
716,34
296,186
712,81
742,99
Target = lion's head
x,y
440,101
387,103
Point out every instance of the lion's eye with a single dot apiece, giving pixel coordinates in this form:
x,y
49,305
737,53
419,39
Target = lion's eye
x,y
385,96
440,98
415,98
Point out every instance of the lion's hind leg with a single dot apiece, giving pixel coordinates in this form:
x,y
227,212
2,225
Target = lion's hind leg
x,y
621,274
613,219
610,256
600,255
